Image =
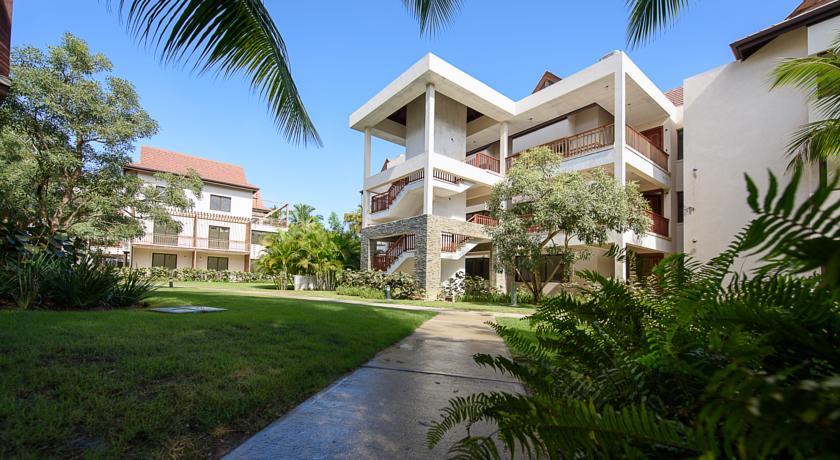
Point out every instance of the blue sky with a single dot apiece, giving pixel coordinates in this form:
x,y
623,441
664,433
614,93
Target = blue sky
x,y
342,53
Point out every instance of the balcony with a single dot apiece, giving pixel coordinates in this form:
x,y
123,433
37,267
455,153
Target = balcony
x,y
191,242
483,161
599,138
659,224
482,219
578,144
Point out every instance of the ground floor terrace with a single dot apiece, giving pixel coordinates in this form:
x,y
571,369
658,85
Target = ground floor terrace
x,y
435,248
174,258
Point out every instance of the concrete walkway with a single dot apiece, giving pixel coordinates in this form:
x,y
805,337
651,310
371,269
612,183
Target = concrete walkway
x,y
384,408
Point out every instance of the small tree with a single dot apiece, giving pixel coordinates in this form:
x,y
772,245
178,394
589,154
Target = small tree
x,y
66,130
541,210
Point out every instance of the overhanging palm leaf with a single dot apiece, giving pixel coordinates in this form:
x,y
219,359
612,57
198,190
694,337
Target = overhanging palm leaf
x,y
819,77
230,36
432,14
650,16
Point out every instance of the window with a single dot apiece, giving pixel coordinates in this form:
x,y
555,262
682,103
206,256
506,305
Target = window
x,y
259,237
219,203
165,233
679,144
169,261
478,267
219,237
548,265
217,263
680,207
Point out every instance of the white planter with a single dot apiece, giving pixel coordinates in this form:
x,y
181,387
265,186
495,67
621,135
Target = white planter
x,y
304,283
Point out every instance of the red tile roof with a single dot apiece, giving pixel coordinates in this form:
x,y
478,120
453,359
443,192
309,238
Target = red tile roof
x,y
675,96
546,80
807,5
159,160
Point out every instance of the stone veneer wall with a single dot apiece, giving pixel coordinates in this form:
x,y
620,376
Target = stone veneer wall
x,y
427,230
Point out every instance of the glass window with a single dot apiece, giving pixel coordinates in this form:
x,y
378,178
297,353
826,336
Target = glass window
x,y
679,144
259,237
165,260
217,263
680,207
219,237
219,203
165,233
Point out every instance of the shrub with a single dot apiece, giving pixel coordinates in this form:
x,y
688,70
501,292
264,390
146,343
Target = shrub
x,y
363,292
453,288
132,288
403,285
81,284
200,274
698,360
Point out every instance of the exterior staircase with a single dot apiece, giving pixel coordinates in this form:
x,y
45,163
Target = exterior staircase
x,y
396,251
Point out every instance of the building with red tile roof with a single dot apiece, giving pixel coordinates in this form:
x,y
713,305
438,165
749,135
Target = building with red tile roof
x,y
153,159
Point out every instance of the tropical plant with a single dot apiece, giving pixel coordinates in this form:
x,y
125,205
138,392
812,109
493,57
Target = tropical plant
x,y
132,289
240,37
402,285
304,214
542,209
67,128
307,248
701,360
819,77
79,284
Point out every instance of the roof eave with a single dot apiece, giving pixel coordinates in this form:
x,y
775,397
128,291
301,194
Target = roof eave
x,y
747,46
135,167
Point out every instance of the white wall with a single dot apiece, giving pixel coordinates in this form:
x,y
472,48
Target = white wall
x,y
450,127
576,122
452,207
448,267
241,201
415,123
735,124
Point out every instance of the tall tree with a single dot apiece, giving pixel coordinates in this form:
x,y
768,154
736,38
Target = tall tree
x,y
541,211
304,214
66,130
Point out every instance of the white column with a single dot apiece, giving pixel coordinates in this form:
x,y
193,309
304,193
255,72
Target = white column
x,y
620,136
365,192
503,147
429,147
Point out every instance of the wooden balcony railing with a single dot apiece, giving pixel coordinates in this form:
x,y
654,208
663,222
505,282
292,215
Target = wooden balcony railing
x,y
446,177
452,242
578,144
403,244
642,144
482,219
483,161
190,242
382,201
659,224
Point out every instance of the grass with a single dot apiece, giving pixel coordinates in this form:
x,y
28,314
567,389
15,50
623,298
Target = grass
x,y
269,290
138,384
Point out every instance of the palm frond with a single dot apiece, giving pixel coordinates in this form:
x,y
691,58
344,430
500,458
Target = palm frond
x,y
432,14
230,37
647,17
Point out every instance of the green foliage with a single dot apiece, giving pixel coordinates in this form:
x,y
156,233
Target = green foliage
x,y
697,360
79,284
363,292
308,248
197,274
541,209
132,289
819,76
67,128
403,285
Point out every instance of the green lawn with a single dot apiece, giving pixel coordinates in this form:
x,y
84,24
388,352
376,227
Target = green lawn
x,y
268,289
133,383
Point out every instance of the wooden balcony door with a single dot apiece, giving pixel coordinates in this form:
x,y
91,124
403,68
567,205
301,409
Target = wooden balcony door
x,y
219,237
654,199
656,136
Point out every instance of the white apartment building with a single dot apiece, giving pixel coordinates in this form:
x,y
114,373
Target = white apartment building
x,y
225,228
424,212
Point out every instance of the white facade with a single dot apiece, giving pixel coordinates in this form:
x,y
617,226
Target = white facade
x,y
221,231
458,134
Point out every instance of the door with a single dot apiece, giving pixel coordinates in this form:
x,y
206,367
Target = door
x,y
655,136
654,199
219,237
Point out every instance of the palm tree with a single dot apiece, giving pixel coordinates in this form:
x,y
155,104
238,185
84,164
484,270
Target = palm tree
x,y
819,77
304,214
239,37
